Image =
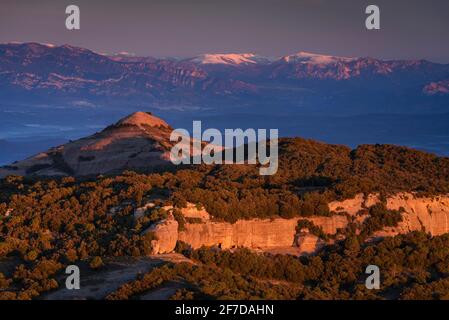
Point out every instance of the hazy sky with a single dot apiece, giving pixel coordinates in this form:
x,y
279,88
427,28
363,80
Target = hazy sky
x,y
410,28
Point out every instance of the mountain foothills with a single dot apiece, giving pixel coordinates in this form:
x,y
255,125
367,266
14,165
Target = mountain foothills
x,y
137,141
68,75
338,209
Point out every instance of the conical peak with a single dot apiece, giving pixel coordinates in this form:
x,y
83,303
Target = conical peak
x,y
143,119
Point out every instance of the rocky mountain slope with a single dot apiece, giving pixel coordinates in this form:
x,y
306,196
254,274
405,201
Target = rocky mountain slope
x,y
140,140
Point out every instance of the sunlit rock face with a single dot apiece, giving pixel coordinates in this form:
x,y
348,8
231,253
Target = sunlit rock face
x,y
428,214
166,233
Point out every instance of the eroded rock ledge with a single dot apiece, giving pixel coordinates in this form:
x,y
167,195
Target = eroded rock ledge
x,y
427,214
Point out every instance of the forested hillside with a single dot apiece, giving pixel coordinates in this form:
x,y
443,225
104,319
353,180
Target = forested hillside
x,y
48,223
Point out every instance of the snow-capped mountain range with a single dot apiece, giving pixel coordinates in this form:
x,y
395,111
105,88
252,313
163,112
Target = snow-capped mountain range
x,y
33,72
230,59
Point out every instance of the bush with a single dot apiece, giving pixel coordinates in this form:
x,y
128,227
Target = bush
x,y
96,263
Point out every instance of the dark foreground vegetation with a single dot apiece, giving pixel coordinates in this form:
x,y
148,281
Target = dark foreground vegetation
x,y
412,266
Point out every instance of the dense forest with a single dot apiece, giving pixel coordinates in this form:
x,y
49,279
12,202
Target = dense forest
x,y
413,266
46,224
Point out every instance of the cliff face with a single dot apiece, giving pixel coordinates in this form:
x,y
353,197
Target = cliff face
x,y
243,233
424,213
255,233
166,233
428,214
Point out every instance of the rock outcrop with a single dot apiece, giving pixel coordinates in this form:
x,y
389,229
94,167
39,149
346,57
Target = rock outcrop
x,y
254,233
166,234
308,243
427,214
192,211
244,233
430,214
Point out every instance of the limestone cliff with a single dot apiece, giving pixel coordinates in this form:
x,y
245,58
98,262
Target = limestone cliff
x,y
428,214
243,233
166,234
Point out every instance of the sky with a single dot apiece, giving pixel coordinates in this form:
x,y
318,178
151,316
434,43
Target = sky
x,y
410,29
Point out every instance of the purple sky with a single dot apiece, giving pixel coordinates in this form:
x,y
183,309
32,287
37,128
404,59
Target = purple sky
x,y
410,28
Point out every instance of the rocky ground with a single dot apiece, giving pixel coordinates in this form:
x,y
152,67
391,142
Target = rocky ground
x,y
96,285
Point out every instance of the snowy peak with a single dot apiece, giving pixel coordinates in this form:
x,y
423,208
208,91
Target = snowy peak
x,y
230,59
251,58
314,58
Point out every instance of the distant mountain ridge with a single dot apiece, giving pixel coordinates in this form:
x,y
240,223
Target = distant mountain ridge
x,y
68,75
